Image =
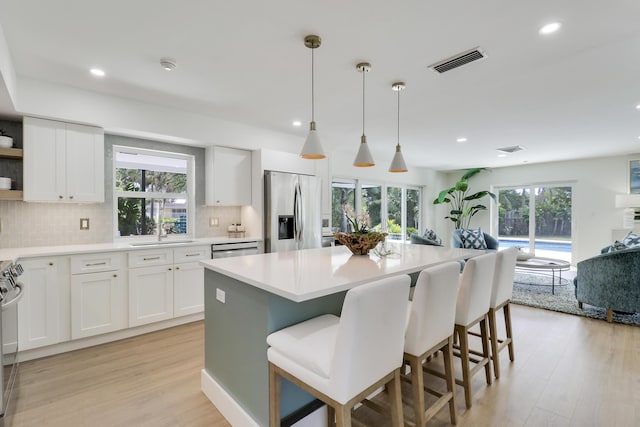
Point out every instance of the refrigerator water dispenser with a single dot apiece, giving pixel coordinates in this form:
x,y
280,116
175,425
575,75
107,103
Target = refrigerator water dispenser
x,y
285,227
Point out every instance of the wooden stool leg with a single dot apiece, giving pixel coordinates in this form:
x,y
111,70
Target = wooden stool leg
x,y
417,382
275,383
463,339
507,321
484,335
493,336
331,416
451,382
343,416
396,399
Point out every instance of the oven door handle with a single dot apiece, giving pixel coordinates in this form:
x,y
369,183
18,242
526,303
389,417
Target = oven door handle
x,y
16,299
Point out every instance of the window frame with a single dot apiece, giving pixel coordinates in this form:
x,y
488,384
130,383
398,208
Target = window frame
x,y
190,196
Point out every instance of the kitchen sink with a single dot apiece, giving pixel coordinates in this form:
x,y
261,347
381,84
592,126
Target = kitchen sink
x,y
165,243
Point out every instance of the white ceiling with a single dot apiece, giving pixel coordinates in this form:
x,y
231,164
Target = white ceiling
x,y
568,95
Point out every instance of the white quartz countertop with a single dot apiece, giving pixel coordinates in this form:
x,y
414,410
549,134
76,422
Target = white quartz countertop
x,y
311,273
14,254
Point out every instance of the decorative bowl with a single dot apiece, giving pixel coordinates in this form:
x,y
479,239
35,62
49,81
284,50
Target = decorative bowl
x,y
6,142
360,243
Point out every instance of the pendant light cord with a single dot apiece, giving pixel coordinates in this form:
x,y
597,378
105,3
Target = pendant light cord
x,y
363,73
312,86
399,116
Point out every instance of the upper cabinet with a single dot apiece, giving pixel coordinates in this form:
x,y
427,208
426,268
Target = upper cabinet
x,y
228,177
63,162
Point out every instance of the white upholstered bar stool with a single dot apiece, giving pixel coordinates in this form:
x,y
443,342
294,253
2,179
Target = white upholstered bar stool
x,y
430,329
501,299
472,308
342,360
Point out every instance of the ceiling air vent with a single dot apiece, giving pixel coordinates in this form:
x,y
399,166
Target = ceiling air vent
x,y
510,150
458,60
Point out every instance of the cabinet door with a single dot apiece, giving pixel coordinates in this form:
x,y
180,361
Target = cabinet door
x,y
150,294
228,179
38,323
85,163
44,160
97,303
188,289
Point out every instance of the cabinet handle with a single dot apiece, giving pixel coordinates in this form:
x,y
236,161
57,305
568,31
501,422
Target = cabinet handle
x,y
151,259
177,268
59,197
169,268
71,197
115,275
50,263
192,254
95,264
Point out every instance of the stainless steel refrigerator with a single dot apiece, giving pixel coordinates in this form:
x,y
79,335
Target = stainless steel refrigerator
x,y
293,211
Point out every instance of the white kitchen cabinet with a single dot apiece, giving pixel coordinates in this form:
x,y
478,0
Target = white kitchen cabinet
x,y
188,280
40,311
98,294
63,162
150,286
228,176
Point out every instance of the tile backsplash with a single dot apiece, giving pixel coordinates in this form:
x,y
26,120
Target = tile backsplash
x,y
52,224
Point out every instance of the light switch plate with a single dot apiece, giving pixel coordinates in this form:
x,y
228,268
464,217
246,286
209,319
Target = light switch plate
x,y
214,221
84,223
220,295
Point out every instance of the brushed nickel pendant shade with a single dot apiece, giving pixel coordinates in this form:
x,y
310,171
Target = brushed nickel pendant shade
x,y
363,158
398,164
312,148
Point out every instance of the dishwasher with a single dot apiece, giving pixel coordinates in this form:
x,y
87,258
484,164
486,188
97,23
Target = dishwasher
x,y
226,250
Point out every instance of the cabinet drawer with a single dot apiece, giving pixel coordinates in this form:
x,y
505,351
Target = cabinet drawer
x,y
94,263
148,258
193,253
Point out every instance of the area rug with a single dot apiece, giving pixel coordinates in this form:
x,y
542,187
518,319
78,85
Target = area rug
x,y
534,290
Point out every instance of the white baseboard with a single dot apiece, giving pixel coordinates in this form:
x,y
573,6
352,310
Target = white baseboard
x,y
237,416
227,406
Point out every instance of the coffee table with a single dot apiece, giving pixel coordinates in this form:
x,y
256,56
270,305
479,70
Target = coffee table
x,y
545,264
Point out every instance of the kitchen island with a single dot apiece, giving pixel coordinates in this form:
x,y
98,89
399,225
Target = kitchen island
x,y
247,298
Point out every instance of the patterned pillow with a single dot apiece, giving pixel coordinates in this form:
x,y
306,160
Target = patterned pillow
x,y
431,235
631,240
473,239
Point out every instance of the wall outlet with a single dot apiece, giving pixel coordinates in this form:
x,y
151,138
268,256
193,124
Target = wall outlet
x,y
220,295
214,221
84,223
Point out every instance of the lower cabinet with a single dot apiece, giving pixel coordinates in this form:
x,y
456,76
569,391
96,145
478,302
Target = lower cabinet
x,y
188,289
40,312
150,294
98,302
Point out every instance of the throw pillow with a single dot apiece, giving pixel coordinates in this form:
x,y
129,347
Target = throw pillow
x,y
431,235
473,239
631,240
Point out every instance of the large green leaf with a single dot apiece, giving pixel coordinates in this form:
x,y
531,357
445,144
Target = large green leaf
x,y
471,172
462,185
442,197
480,195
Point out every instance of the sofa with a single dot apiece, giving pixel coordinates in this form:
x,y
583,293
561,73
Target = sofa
x,y
611,281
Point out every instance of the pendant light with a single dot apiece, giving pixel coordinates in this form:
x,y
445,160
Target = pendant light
x,y
398,164
312,149
363,158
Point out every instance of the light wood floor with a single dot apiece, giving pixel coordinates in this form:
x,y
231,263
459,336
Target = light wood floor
x,y
569,371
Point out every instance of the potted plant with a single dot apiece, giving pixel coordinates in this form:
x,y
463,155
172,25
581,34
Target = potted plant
x,y
362,239
461,201
6,141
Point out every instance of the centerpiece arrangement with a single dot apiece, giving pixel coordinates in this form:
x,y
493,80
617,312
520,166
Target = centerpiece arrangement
x,y
362,239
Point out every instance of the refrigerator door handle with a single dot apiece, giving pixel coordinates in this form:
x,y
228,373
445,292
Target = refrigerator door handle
x,y
299,220
296,215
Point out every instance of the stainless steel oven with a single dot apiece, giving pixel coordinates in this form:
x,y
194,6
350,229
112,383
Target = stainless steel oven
x,y
10,293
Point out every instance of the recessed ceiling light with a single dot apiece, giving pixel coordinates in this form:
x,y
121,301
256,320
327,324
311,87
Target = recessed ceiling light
x,y
502,155
461,140
638,107
297,123
97,72
550,28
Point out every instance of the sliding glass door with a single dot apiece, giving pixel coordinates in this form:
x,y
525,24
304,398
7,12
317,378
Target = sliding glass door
x,y
536,219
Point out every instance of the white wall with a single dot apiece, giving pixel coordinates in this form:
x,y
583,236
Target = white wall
x,y
595,185
7,78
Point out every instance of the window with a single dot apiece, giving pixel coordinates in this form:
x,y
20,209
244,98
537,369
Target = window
x,y
391,208
152,188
